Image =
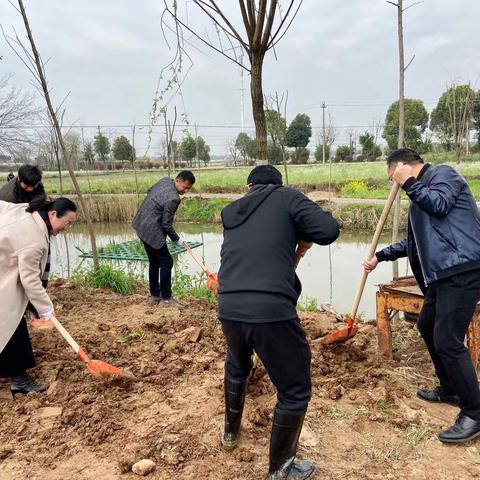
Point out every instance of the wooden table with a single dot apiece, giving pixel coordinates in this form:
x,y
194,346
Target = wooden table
x,y
404,295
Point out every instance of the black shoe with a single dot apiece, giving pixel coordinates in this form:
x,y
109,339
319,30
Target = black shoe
x,y
286,430
234,402
438,395
25,384
463,430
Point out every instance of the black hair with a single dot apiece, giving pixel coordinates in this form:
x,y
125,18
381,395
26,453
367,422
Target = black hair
x,y
61,205
404,155
186,176
264,175
30,175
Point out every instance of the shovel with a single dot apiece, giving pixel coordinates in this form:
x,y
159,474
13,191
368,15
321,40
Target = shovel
x,y
344,334
212,278
97,368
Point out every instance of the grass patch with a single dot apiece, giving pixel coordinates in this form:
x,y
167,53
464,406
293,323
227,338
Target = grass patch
x,y
132,336
308,304
201,210
106,276
417,434
338,412
184,285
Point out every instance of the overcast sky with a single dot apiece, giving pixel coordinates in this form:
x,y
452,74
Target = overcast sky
x,y
108,54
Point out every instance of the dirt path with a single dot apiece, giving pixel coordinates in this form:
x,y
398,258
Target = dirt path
x,y
364,421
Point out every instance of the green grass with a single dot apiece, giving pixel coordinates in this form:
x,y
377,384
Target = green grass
x,y
107,276
369,178
201,210
308,304
416,434
184,285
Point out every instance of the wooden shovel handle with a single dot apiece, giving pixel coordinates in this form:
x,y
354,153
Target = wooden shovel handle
x,y
76,348
373,247
199,262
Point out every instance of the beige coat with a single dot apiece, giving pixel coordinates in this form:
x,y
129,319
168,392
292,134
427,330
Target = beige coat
x,y
23,257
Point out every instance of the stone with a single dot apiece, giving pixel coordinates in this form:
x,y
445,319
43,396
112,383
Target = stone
x,y
53,389
143,467
49,412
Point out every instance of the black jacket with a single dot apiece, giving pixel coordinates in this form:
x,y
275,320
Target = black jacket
x,y
13,193
443,236
154,219
257,281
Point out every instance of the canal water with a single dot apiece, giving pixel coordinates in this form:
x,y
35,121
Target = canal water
x,y
330,275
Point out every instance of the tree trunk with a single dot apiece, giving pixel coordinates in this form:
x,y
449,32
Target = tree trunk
x,y
256,92
401,126
56,125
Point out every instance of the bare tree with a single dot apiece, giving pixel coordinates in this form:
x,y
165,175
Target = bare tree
x,y
278,129
17,111
262,34
328,134
35,65
232,151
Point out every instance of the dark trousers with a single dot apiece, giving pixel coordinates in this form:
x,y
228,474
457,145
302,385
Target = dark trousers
x,y
17,356
283,350
159,271
443,323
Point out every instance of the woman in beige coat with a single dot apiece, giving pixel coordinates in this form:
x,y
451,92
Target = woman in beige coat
x,y
25,231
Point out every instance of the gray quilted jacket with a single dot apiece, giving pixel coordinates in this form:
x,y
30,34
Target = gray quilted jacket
x,y
154,219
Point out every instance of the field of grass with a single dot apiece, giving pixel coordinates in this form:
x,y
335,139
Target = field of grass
x,y
351,180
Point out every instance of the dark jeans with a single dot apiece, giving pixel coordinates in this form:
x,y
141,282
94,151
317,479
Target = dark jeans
x,y
17,356
160,266
283,350
443,323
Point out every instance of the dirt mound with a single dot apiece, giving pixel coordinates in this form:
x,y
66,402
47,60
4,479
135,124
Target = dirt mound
x,y
363,422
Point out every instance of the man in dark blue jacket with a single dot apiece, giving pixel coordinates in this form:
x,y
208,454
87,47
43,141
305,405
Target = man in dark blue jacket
x,y
443,247
258,293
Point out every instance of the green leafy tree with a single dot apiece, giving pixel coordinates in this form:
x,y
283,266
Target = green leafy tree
x,y
343,151
298,134
453,111
416,121
122,150
369,147
101,145
476,116
319,152
88,155
244,144
274,153
276,127
188,149
203,151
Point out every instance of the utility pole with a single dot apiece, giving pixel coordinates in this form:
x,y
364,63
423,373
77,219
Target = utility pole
x,y
323,130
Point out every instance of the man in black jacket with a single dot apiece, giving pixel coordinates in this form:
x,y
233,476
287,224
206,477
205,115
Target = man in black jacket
x,y
153,223
25,187
258,293
443,247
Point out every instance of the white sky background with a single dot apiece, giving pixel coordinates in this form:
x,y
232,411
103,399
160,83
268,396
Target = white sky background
x,y
108,55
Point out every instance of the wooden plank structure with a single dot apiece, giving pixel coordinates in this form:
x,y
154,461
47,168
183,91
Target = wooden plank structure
x,y
404,295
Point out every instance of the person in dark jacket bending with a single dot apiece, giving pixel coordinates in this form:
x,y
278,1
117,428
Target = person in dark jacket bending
x,y
153,223
257,295
24,187
443,247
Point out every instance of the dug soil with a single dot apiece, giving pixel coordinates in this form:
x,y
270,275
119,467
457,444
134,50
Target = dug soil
x,y
364,421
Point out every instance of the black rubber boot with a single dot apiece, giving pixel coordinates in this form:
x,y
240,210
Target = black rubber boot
x,y
24,383
286,430
234,402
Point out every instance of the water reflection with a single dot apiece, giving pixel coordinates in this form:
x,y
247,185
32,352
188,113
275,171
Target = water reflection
x,y
328,274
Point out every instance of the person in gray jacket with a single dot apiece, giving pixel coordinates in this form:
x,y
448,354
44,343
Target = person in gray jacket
x,y
153,223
